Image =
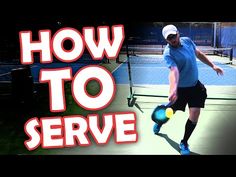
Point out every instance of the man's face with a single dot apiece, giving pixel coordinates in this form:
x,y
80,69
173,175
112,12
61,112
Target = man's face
x,y
173,40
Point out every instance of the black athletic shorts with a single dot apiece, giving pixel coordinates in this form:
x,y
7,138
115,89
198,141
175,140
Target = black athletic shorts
x,y
193,96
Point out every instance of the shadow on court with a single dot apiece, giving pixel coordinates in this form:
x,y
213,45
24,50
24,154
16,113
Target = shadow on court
x,y
173,143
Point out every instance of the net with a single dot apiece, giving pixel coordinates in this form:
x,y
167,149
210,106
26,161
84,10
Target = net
x,y
147,69
151,54
222,55
141,54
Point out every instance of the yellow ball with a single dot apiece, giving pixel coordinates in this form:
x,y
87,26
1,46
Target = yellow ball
x,y
169,112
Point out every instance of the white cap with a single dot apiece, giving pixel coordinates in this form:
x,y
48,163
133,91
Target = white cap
x,y
169,29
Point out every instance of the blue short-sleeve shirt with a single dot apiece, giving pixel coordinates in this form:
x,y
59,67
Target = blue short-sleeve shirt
x,y
184,58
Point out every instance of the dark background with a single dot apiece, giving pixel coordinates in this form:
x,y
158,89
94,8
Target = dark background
x,y
34,15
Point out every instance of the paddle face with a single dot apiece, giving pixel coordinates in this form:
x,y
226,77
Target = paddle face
x,y
162,113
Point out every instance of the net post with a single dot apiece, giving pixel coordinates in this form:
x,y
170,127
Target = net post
x,y
131,99
231,56
129,73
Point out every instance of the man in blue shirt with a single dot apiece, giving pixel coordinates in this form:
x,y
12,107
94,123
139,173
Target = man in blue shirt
x,y
180,55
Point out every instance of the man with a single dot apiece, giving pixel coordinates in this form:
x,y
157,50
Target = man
x,y
185,88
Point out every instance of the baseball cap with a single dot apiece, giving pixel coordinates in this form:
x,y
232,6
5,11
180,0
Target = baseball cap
x,y
169,29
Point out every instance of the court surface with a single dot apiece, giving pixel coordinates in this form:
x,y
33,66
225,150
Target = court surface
x,y
214,134
151,70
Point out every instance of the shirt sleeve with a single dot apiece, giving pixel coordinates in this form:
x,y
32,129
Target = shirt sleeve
x,y
192,43
169,59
